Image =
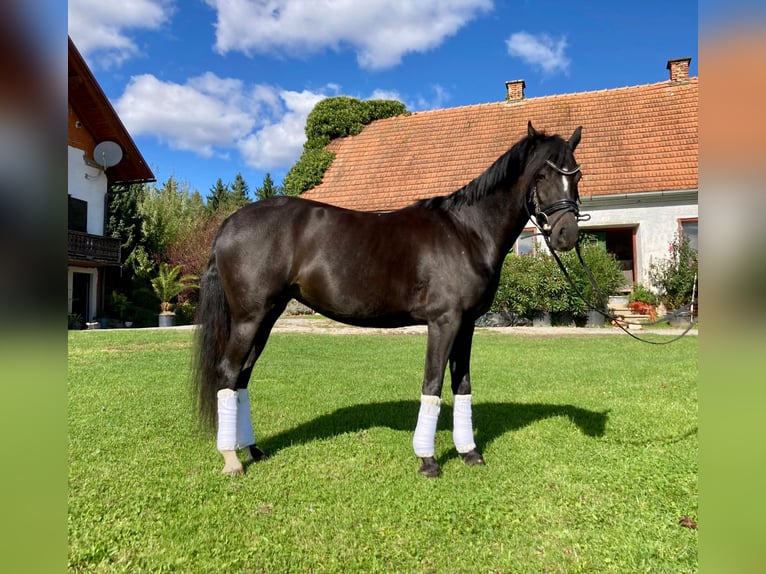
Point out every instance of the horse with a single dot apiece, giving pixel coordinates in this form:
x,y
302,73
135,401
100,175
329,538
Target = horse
x,y
436,262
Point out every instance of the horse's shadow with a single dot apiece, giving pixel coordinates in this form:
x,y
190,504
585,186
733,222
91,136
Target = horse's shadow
x,y
491,420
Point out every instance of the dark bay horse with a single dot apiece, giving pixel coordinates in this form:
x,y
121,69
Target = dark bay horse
x,y
436,262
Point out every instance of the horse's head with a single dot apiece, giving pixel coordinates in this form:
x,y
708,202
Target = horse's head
x,y
553,198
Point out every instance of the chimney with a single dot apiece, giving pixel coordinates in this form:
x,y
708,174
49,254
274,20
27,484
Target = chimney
x,y
679,70
514,90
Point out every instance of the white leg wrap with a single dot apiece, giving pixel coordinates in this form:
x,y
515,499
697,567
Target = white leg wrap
x,y
462,427
227,420
425,431
245,436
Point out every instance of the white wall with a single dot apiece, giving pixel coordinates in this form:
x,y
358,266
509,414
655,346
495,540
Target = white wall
x,y
91,188
656,221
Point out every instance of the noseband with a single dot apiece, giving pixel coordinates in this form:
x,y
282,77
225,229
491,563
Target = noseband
x,y
542,215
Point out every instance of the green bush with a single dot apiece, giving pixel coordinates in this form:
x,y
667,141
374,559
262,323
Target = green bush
x,y
642,294
605,270
530,283
675,276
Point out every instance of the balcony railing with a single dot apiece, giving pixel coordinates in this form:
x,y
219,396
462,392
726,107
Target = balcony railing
x,y
94,248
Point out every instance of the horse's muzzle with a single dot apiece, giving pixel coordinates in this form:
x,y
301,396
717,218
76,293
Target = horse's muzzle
x,y
564,232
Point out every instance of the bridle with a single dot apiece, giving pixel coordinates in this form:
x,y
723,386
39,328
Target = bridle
x,y
541,216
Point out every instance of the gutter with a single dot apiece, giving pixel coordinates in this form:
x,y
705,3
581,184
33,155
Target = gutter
x,y
638,198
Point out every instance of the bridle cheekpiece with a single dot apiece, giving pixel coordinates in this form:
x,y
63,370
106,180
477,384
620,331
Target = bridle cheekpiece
x,y
541,215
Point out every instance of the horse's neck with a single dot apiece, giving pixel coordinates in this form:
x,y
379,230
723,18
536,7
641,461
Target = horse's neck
x,y
497,220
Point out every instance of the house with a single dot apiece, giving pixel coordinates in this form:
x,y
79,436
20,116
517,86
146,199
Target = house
x,y
638,152
100,153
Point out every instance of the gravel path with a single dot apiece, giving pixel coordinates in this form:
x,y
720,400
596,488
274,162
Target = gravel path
x,y
319,324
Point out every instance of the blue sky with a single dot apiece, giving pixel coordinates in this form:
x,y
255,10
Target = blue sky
x,y
210,88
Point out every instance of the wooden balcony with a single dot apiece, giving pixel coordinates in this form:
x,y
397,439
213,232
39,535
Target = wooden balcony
x,y
93,249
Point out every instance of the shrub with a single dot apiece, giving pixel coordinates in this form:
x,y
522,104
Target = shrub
x,y
675,276
605,270
642,294
531,283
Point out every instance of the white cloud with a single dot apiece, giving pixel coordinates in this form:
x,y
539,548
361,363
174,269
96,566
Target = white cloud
x,y
539,50
279,143
98,27
379,31
213,116
197,116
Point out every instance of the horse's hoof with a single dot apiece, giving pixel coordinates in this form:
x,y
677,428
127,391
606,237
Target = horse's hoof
x,y
257,455
430,468
473,458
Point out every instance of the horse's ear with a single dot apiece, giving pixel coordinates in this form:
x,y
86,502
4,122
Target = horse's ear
x,y
575,139
531,132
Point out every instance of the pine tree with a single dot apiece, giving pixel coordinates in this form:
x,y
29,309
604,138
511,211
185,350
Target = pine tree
x,y
240,191
268,189
218,196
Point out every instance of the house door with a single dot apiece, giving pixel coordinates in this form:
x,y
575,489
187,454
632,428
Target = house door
x,y
621,243
81,295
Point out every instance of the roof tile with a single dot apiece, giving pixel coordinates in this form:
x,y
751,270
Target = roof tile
x,y
640,138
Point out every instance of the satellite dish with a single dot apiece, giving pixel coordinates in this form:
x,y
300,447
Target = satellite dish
x,y
107,154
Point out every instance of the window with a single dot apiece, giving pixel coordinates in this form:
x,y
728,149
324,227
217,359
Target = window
x,y
78,215
526,244
689,230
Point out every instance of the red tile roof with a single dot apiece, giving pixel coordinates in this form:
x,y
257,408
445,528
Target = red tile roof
x,y
635,139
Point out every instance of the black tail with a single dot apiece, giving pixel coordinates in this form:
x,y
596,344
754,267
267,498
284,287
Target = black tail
x,y
214,326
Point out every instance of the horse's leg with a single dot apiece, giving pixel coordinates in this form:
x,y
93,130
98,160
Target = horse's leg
x,y
441,335
229,371
462,429
245,435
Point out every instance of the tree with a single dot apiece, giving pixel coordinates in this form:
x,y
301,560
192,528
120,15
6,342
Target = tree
x,y
218,195
268,189
333,118
226,199
240,191
167,213
124,218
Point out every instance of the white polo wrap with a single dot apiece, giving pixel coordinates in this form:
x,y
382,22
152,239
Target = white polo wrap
x,y
227,420
245,436
425,431
462,426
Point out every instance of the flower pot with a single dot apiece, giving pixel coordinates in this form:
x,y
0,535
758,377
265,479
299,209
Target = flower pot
x,y
680,319
167,319
594,319
564,319
541,319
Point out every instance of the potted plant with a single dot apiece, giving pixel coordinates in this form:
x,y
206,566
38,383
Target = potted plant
x,y
168,284
675,278
643,301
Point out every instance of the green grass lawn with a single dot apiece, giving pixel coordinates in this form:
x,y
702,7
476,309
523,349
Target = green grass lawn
x,y
590,442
